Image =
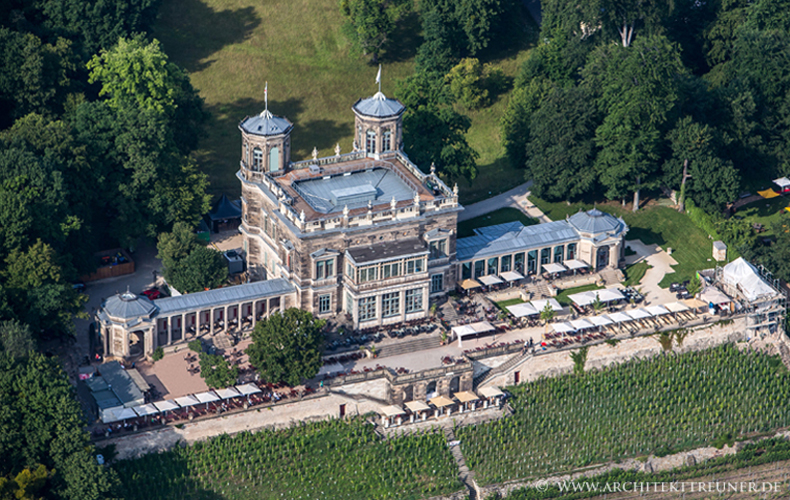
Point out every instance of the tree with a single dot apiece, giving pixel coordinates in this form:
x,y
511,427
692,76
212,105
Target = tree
x,y
561,145
26,485
467,84
16,339
34,76
515,121
204,268
369,23
175,246
597,304
639,89
287,346
694,286
137,74
38,293
547,313
433,131
217,372
442,45
713,181
42,423
96,24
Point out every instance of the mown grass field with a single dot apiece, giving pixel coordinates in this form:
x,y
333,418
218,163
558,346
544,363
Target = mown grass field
x,y
659,406
652,224
232,47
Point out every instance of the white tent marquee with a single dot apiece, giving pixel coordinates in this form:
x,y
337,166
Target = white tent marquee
x,y
747,279
521,310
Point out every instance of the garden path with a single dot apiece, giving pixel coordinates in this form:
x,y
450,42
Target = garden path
x,y
661,263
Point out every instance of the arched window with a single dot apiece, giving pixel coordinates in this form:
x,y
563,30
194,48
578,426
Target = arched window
x,y
386,144
274,159
370,146
257,159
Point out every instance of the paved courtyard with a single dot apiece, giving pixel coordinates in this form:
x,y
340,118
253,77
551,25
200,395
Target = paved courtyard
x,y
661,263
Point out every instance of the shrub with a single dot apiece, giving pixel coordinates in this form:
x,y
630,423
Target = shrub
x,y
158,354
196,345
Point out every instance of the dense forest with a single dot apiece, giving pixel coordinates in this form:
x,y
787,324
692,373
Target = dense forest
x,y
96,132
619,94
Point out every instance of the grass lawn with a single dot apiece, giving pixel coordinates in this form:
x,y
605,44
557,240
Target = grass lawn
x,y
653,224
765,212
634,273
508,214
563,299
230,48
503,305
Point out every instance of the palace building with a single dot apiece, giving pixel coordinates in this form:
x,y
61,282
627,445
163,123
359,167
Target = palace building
x,y
364,233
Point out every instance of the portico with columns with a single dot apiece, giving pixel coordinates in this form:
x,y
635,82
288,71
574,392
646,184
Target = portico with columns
x,y
132,326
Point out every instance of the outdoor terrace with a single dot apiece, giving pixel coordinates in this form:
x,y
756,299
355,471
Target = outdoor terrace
x,y
314,195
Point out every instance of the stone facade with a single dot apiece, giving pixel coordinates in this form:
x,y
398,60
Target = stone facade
x,y
292,230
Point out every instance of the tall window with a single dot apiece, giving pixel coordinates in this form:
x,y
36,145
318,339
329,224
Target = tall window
x,y
438,249
257,159
558,252
571,251
324,269
437,283
386,141
413,300
390,304
367,309
493,265
368,274
545,256
518,262
370,145
415,266
504,264
390,270
532,261
324,303
480,267
247,154
274,160
349,303
466,270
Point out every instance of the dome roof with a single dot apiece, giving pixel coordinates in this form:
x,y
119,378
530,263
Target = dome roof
x,y
594,221
128,306
378,106
266,124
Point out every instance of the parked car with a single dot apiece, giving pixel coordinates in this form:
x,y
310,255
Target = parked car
x,y
152,293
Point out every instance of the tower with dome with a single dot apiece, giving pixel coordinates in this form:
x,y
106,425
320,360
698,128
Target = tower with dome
x,y
365,233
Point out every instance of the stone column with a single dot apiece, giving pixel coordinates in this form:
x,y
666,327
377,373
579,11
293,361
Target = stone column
x,y
211,319
169,330
183,326
614,255
197,323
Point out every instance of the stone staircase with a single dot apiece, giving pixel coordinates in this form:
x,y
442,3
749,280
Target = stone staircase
x,y
504,367
539,289
611,276
448,312
409,346
464,474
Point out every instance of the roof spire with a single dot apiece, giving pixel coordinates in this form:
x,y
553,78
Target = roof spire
x,y
378,78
